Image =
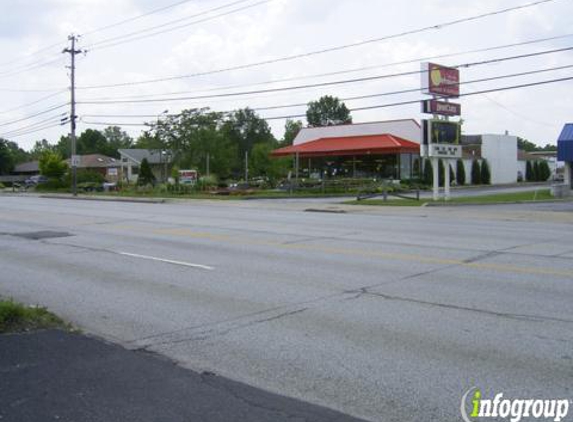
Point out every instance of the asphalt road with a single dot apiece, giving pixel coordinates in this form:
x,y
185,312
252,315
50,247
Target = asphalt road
x,y
388,314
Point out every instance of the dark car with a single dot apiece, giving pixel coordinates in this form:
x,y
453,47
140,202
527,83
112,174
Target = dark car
x,y
35,180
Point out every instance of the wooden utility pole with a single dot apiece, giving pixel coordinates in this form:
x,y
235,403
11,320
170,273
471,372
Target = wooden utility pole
x,y
74,158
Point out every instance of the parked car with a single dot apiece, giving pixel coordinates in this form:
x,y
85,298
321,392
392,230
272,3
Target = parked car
x,y
35,180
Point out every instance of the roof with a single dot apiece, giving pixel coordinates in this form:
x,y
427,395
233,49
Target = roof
x,y
351,145
91,161
154,156
405,128
29,167
565,144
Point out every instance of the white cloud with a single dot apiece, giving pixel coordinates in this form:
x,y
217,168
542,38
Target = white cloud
x,y
283,28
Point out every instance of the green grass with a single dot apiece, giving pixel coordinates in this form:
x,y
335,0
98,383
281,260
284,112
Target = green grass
x,y
501,198
540,195
15,317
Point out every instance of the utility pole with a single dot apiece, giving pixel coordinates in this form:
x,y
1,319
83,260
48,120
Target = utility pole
x,y
74,158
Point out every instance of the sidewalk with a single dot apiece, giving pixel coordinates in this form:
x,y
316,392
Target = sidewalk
x,y
58,376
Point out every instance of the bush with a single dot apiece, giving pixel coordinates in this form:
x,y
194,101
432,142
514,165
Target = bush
x,y
476,172
441,172
485,173
2,185
536,172
460,173
17,317
428,173
52,185
529,177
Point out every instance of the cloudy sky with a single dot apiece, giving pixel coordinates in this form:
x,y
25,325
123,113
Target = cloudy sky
x,y
132,42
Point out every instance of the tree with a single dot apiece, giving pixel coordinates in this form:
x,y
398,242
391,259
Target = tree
x,y
244,129
147,140
529,177
41,147
460,173
544,171
6,158
196,136
428,173
92,141
476,172
116,140
441,172
535,167
52,165
292,128
485,173
327,111
146,176
452,174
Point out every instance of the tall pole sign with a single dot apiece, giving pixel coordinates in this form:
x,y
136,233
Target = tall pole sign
x,y
441,138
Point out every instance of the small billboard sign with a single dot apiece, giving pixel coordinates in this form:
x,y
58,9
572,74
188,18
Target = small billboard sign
x,y
441,139
440,81
441,108
187,177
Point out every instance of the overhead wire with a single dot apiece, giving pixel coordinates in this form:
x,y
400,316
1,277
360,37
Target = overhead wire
x,y
325,50
319,85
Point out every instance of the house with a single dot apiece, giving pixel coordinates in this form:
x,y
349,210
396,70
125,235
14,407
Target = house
x,y
108,167
386,150
160,161
31,168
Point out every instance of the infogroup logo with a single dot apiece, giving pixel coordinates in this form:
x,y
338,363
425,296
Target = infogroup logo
x,y
474,407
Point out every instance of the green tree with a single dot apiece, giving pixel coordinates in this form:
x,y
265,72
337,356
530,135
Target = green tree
x,y
536,172
148,140
485,173
116,139
244,129
52,165
544,171
460,173
529,177
476,172
195,137
6,157
146,176
441,172
292,128
92,141
327,111
428,173
40,147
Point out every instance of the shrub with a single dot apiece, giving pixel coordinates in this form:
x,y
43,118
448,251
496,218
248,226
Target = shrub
x,y
428,173
52,185
544,171
476,172
536,172
17,317
460,173
2,185
146,176
485,173
529,172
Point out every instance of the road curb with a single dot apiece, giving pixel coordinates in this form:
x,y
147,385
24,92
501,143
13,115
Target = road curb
x,y
107,199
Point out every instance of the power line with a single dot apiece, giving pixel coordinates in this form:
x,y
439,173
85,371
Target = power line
x,y
34,115
320,84
50,119
34,102
368,96
326,50
34,131
134,18
133,36
359,69
469,94
396,104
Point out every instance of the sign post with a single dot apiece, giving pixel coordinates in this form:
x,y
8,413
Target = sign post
x,y
441,138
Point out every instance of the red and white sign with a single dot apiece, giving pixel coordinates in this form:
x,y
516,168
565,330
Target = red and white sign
x,y
442,108
187,177
440,80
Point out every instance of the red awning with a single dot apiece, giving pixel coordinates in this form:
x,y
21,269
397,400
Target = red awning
x,y
351,145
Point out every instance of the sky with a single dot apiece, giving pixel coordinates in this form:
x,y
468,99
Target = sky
x,y
127,42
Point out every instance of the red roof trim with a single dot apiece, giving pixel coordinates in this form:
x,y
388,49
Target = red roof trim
x,y
351,145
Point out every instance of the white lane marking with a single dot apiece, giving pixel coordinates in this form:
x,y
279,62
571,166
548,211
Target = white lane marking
x,y
167,261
